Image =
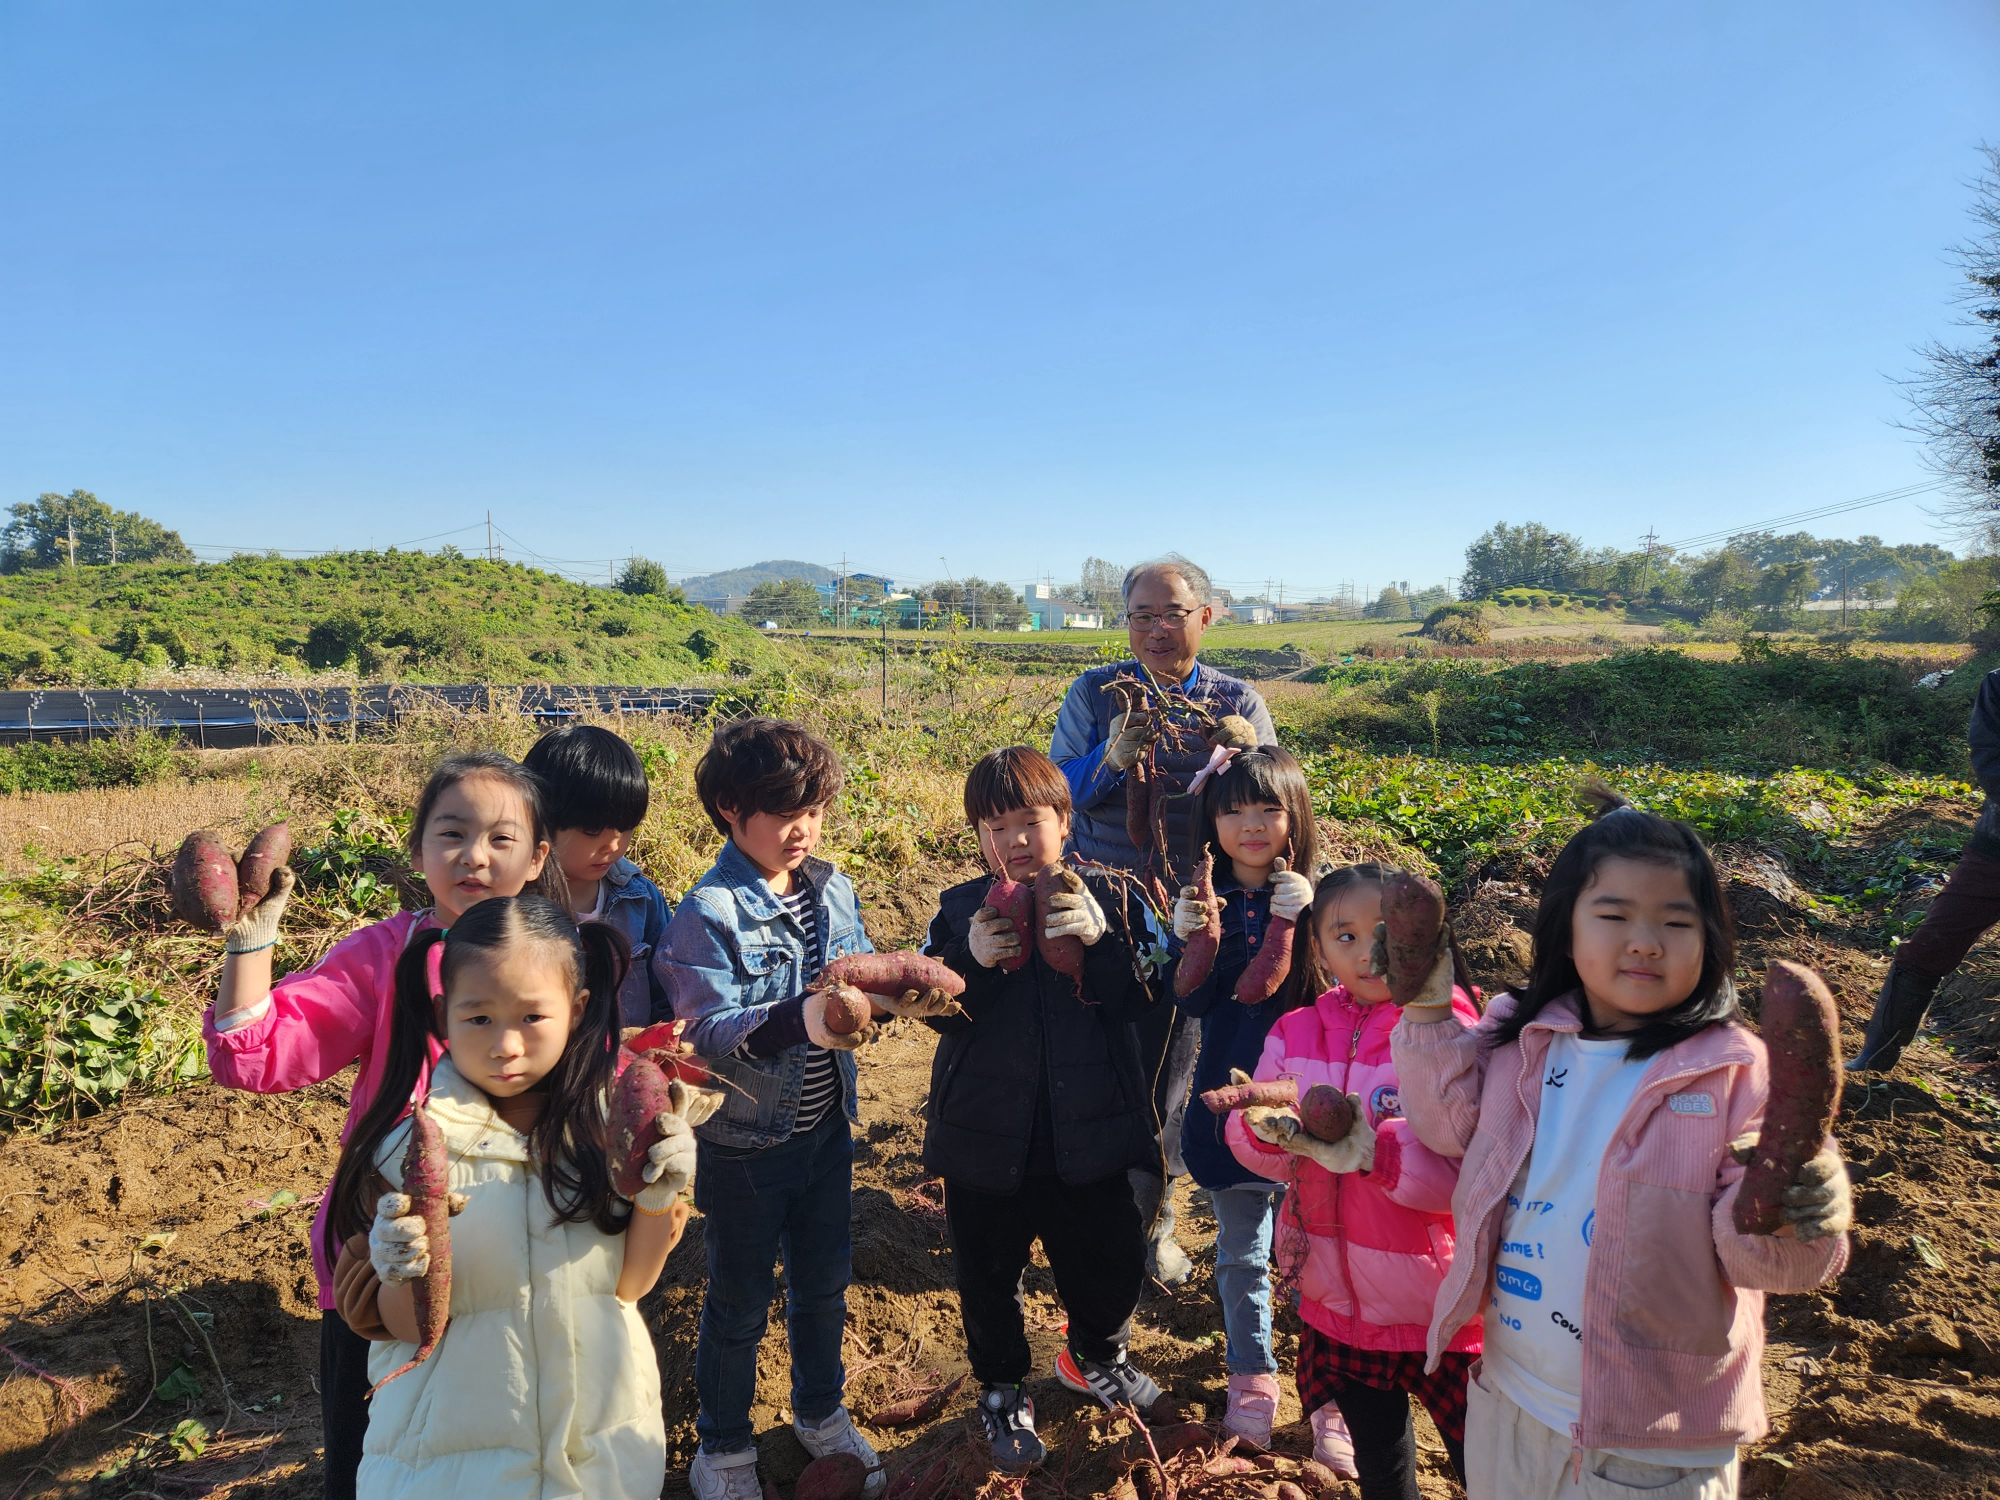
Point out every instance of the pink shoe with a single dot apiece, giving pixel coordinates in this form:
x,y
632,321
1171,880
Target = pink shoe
x,y
1331,1444
1253,1408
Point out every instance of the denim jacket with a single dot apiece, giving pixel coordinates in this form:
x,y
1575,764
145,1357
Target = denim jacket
x,y
732,952
634,905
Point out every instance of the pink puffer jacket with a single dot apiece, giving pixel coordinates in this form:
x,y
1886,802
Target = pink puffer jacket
x,y
1369,1249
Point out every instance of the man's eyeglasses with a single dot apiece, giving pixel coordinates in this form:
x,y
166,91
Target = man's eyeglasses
x,y
1173,619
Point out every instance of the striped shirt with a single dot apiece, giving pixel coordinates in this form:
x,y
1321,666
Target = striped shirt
x,y
822,1086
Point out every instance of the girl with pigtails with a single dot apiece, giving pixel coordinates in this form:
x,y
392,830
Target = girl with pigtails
x,y
544,1380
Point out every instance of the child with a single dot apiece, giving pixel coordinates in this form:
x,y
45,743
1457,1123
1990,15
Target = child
x,y
545,1381
741,954
597,795
1599,1114
1254,813
1038,1108
478,831
1366,1229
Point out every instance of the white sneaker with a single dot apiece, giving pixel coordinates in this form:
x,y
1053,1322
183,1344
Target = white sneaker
x,y
1332,1445
837,1434
725,1476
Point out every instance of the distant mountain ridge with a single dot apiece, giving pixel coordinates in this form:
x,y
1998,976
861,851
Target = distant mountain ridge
x,y
738,581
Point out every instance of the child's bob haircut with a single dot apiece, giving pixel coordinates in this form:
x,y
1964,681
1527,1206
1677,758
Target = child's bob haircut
x,y
1012,778
1620,831
765,766
491,764
591,779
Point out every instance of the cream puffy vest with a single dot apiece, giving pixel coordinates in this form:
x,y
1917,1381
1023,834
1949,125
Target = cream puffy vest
x,y
544,1384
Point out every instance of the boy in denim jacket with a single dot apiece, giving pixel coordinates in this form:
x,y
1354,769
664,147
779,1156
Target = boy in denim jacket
x,y
775,1166
596,794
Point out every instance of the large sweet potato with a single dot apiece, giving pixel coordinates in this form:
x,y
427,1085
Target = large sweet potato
x,y
642,1095
890,974
427,1182
1273,960
1139,806
846,1012
270,849
1801,1028
1278,1093
1015,902
1326,1112
204,881
1063,954
837,1476
1413,922
1198,954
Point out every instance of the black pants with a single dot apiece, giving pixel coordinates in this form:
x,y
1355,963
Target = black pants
x,y
1096,1248
343,1402
1385,1441
1959,916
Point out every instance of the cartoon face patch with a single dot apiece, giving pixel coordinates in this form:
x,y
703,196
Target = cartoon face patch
x,y
1386,1103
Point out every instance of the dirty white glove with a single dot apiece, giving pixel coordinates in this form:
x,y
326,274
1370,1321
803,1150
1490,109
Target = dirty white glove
x,y
257,928
1130,735
398,1247
1353,1152
1820,1200
833,1041
992,938
1075,914
1291,893
670,1160
919,1004
1234,731
1190,913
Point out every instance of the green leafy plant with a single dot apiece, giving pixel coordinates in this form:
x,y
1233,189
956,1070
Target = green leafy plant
x,y
352,869
75,1036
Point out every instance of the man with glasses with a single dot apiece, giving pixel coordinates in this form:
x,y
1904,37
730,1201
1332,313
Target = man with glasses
x,y
1167,610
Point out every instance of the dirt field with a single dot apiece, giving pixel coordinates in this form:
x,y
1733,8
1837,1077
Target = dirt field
x,y
169,1236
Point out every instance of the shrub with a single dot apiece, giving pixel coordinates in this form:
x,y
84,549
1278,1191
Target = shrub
x,y
76,1036
1457,625
128,758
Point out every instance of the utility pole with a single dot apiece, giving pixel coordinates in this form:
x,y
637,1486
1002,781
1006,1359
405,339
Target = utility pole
x,y
1843,596
490,553
1646,571
840,599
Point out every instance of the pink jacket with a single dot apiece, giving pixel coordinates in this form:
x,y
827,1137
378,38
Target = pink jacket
x,y
1369,1248
320,1021
1674,1297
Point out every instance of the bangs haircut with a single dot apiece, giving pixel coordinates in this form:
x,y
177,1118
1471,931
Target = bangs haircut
x,y
1267,774
468,765
591,779
1009,779
1621,831
764,765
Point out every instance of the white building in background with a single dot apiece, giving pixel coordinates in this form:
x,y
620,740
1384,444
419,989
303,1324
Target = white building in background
x,y
1050,613
1253,614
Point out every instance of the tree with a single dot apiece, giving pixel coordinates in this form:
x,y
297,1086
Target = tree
x,y
791,602
1101,583
1724,580
1957,399
983,605
1390,604
642,575
40,534
1786,587
1516,556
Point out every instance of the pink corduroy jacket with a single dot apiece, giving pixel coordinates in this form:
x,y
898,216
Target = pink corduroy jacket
x,y
1369,1249
320,1021
1673,1325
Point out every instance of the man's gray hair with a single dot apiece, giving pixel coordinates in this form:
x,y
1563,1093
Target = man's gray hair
x,y
1189,573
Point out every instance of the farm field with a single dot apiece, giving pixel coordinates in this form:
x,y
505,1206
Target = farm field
x,y
160,1329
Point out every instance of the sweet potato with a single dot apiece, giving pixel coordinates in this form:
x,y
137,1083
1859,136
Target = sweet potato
x,y
838,1476
663,1046
1139,807
1015,902
204,881
844,1014
267,851
1801,1030
1413,919
427,1182
643,1094
913,1409
1198,955
1279,1093
1273,961
891,974
1326,1112
1286,1490
1063,954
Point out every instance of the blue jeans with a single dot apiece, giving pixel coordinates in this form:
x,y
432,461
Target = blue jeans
x,y
794,1199
1244,1218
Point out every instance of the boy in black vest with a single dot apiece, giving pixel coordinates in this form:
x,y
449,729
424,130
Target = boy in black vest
x,y
1039,1106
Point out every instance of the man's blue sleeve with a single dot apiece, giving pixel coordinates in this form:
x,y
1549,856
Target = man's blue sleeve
x,y
1078,752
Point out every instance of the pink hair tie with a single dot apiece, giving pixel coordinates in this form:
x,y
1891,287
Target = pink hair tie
x,y
434,967
1218,765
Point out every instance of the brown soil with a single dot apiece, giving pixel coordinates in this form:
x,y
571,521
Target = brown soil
x,y
139,1242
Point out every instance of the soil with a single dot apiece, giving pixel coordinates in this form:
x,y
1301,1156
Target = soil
x,y
170,1236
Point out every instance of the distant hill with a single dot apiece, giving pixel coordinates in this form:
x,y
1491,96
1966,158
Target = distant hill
x,y
407,615
737,581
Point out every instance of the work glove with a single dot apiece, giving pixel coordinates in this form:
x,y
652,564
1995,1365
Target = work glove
x,y
1433,1002
919,1004
1075,914
1820,1200
1131,733
398,1247
1353,1152
1191,913
257,928
833,1041
1291,893
670,1160
1235,732
992,938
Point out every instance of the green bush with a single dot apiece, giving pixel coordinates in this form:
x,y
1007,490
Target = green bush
x,y
76,1037
1457,625
129,758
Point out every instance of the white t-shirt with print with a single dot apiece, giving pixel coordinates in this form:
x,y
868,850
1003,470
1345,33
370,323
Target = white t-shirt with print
x,y
1534,1318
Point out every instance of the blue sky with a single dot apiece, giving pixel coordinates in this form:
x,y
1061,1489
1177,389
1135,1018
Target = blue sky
x,y
1306,291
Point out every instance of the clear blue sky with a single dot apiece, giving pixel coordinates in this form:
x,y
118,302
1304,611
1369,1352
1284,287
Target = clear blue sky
x,y
1306,291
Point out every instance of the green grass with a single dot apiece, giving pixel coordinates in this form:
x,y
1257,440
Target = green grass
x,y
395,614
